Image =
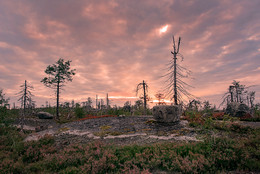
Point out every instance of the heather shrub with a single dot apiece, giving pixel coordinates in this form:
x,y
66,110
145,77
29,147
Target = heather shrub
x,y
240,129
213,155
208,123
3,113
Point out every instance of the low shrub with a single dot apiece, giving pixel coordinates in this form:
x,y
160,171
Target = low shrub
x,y
79,112
213,155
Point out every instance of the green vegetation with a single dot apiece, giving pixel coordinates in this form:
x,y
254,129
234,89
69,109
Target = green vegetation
x,y
225,146
231,148
210,156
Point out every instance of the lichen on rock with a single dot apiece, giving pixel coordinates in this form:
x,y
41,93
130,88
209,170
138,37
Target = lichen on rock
x,y
168,114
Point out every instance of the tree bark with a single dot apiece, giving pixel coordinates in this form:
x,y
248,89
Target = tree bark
x,y
144,98
175,80
24,104
58,92
231,93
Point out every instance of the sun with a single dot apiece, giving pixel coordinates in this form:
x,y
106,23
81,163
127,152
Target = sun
x,y
163,29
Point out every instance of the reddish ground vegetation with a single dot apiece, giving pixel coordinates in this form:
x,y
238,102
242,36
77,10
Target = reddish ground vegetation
x,y
246,116
218,115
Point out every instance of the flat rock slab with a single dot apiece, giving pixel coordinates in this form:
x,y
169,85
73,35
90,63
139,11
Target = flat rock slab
x,y
118,130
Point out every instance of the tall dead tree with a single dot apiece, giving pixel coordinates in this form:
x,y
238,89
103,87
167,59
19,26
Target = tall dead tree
x,y
96,101
231,91
145,90
107,99
251,98
175,52
176,87
25,98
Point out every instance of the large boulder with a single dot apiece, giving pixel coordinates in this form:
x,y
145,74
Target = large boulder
x,y
237,109
44,115
168,114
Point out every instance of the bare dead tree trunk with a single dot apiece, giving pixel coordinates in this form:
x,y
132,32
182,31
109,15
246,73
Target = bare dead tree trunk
x,y
237,93
175,52
107,101
58,93
175,81
24,101
96,101
145,88
231,93
144,98
24,104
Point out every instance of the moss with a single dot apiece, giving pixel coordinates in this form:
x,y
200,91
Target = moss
x,y
105,127
106,133
150,122
146,130
115,133
63,129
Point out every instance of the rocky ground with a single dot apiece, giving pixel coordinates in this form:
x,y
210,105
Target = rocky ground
x,y
123,130
119,130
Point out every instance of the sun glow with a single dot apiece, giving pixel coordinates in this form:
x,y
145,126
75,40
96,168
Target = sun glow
x,y
163,29
121,97
161,101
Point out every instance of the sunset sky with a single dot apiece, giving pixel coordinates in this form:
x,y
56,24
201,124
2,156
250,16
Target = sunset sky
x,y
116,44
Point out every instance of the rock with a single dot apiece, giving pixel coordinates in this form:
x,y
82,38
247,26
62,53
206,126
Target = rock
x,y
41,128
44,115
164,113
237,109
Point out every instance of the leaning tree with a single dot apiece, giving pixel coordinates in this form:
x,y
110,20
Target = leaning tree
x,y
58,74
176,87
143,86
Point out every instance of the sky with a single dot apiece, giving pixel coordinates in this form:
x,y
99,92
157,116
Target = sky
x,y
114,45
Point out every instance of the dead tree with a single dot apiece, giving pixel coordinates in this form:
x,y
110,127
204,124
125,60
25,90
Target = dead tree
x,y
231,91
3,100
238,93
25,99
176,87
96,101
160,97
107,99
251,98
145,90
